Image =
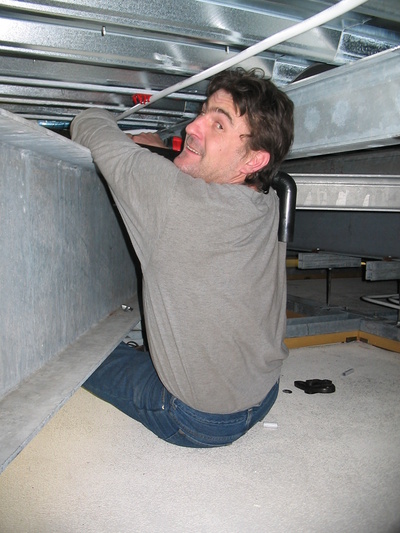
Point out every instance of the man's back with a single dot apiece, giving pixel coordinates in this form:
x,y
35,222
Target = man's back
x,y
215,295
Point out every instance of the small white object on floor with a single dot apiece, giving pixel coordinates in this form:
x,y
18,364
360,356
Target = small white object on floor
x,y
270,425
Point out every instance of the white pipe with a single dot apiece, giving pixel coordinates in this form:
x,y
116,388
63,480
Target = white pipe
x,y
378,299
293,31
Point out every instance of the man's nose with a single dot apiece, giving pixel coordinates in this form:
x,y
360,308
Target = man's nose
x,y
195,127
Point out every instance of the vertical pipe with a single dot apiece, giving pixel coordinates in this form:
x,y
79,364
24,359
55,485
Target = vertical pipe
x,y
286,190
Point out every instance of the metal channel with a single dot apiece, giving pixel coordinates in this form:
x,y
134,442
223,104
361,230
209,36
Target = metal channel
x,y
353,107
27,135
354,192
218,23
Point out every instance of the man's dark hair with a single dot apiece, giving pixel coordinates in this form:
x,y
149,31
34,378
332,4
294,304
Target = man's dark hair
x,y
269,112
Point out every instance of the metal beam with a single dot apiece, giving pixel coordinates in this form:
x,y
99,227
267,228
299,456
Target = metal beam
x,y
321,260
27,135
353,107
382,270
353,192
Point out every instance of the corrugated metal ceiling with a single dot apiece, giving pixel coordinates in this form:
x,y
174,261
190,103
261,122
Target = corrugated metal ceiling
x,y
57,58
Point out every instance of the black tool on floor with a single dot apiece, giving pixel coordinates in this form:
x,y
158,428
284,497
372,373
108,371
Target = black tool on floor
x,y
313,386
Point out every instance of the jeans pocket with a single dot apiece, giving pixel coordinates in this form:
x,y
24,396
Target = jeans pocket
x,y
207,429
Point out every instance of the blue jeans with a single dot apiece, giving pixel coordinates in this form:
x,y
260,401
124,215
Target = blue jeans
x,y
127,379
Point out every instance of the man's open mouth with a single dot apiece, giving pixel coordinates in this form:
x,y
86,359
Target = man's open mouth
x,y
191,149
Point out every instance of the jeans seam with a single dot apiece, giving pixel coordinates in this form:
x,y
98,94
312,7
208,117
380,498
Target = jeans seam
x,y
203,418
163,399
249,417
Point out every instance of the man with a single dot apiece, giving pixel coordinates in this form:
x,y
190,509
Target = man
x,y
214,288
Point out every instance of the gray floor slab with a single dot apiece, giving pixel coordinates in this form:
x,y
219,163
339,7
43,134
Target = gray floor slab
x,y
331,466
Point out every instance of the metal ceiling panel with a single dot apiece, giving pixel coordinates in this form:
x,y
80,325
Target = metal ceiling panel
x,y
108,46
59,57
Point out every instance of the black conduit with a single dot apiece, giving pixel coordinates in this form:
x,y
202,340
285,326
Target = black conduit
x,y
286,189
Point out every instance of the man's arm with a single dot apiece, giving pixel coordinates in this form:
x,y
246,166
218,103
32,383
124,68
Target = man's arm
x,y
148,139
142,182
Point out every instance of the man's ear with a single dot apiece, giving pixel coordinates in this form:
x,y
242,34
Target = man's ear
x,y
256,160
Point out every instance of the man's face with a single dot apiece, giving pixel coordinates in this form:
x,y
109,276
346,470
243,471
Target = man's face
x,y
215,148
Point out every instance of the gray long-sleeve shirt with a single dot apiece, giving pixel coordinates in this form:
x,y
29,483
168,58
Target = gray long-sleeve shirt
x,y
214,279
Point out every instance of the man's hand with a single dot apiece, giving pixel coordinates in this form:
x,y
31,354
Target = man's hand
x,y
149,139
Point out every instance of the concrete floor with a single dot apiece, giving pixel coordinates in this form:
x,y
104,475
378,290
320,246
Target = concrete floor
x,y
331,466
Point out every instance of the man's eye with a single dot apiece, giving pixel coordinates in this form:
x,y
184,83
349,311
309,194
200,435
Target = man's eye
x,y
219,126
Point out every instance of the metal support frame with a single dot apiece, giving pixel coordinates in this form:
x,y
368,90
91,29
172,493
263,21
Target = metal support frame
x,y
328,262
384,270
313,321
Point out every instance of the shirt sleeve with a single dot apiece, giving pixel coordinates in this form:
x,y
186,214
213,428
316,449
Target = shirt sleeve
x,y
141,182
